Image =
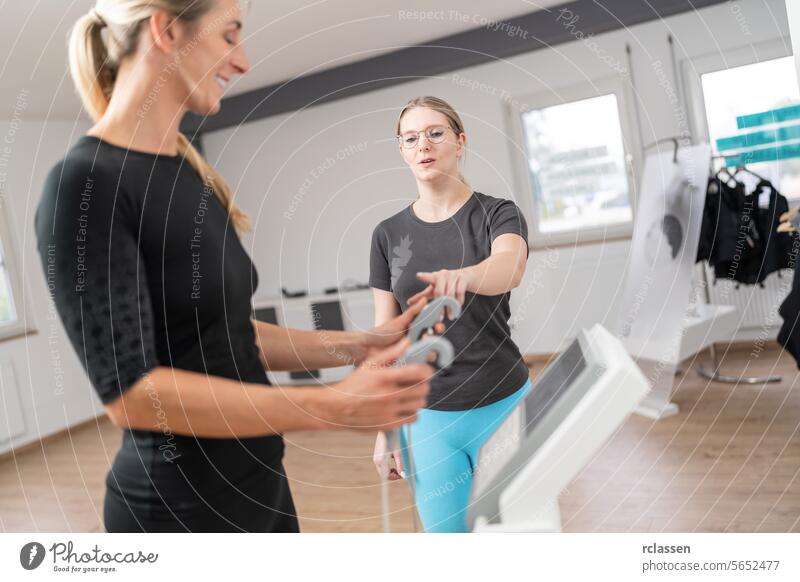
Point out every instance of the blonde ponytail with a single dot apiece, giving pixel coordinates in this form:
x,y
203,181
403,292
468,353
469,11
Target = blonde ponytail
x,y
94,61
89,65
239,219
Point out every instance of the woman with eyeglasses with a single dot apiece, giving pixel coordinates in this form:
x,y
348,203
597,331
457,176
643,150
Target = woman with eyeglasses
x,y
472,246
139,238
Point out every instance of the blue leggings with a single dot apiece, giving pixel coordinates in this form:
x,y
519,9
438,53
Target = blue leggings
x,y
445,446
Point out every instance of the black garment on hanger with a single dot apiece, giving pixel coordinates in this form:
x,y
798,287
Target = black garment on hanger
x,y
777,245
720,222
744,263
738,237
729,235
708,225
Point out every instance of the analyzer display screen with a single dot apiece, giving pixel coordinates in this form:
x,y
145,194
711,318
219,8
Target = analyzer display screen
x,y
552,384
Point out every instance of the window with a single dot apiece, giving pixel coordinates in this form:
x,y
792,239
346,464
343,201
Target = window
x,y
749,89
577,165
577,168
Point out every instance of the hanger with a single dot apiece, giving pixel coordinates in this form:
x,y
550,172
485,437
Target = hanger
x,y
751,172
727,172
728,177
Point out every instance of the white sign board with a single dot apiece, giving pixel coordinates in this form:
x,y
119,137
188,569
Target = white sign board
x,y
663,253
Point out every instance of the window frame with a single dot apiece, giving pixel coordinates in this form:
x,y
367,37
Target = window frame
x,y
515,108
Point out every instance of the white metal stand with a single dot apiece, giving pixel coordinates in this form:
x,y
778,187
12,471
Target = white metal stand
x,y
714,374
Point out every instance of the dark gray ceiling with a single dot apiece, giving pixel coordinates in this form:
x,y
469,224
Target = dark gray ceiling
x,y
465,49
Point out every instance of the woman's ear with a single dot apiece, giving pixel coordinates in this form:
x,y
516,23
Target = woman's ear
x,y
462,143
162,29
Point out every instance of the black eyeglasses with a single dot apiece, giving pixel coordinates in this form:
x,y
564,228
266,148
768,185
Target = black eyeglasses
x,y
434,134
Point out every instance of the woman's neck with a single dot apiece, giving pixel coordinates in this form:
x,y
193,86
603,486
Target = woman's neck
x,y
440,203
139,116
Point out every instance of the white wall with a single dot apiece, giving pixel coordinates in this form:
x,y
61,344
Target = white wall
x,y
278,165
52,388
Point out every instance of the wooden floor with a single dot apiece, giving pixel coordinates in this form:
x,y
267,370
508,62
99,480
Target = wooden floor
x,y
730,461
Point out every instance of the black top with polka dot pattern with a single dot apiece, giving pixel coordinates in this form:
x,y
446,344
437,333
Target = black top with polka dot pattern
x,y
146,270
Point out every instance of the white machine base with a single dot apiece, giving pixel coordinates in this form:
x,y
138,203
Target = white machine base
x,y
546,519
657,404
656,410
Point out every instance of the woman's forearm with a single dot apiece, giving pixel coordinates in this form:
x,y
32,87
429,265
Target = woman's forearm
x,y
286,349
497,274
180,402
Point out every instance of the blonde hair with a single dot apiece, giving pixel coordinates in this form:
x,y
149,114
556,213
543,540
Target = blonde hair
x,y
442,107
94,62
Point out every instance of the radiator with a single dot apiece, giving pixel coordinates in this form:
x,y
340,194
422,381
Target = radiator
x,y
757,306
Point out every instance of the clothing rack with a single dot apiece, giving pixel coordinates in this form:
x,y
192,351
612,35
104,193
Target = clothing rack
x,y
713,373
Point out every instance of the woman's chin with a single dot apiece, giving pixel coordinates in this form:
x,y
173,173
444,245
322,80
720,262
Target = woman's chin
x,y
215,107
206,109
432,176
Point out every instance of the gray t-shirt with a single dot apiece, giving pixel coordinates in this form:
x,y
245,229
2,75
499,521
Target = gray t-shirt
x,y
488,365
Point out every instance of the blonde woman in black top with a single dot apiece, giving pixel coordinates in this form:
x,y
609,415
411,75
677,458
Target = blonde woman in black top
x,y
139,237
